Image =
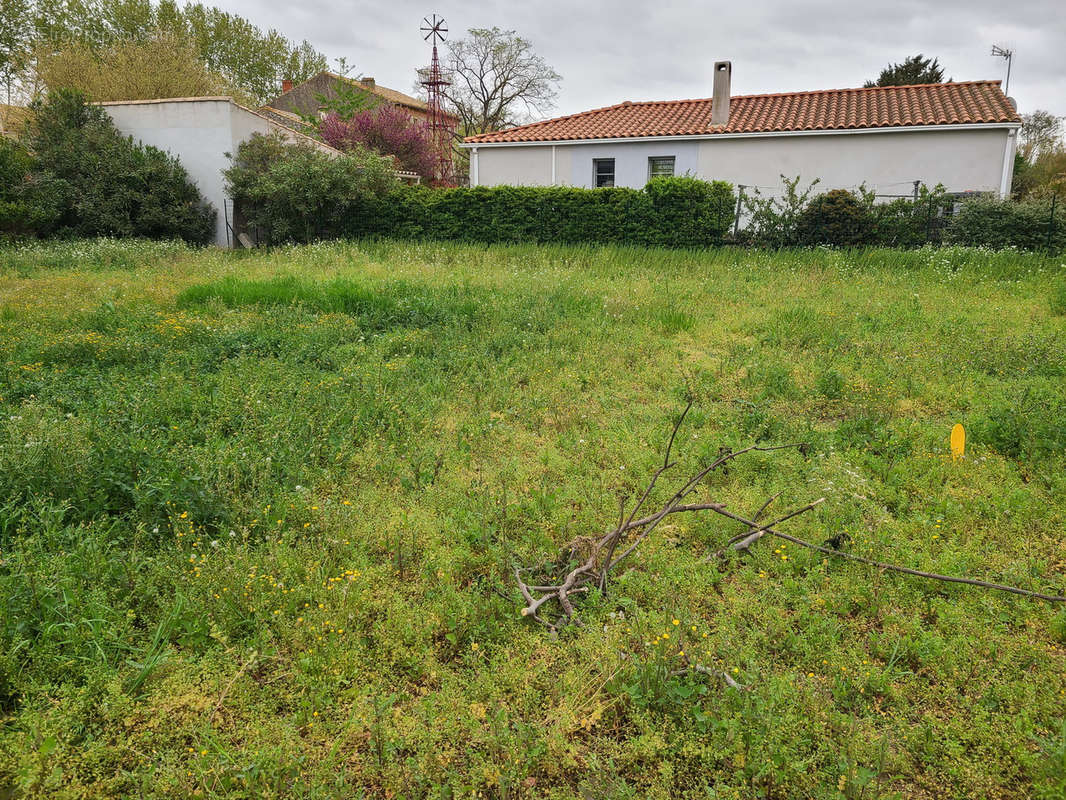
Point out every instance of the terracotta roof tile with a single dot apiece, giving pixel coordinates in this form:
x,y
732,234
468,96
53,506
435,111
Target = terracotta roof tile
x,y
832,109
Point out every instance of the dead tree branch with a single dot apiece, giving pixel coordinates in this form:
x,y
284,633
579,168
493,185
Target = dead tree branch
x,y
588,564
891,567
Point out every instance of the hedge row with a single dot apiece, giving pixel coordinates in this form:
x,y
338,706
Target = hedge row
x,y
668,212
288,193
674,212
843,219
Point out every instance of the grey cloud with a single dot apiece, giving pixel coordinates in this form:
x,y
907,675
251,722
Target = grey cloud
x,y
613,50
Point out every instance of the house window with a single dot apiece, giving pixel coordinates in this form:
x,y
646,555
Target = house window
x,y
660,167
602,172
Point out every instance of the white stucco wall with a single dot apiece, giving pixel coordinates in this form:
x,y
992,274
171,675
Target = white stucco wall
x,y
961,160
199,132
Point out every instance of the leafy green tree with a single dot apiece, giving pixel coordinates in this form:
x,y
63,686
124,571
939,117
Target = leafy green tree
x,y
16,33
250,59
916,69
293,192
1041,132
161,66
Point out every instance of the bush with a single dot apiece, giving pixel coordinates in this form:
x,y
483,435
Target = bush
x,y
836,218
101,183
991,222
293,193
386,129
773,221
689,212
29,204
906,222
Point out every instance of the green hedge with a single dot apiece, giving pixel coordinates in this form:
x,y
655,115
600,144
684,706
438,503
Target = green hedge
x,y
669,212
294,194
995,223
334,203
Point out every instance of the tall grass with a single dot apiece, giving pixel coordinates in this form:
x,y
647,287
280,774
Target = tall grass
x,y
259,516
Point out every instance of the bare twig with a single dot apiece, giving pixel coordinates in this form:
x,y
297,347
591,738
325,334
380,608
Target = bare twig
x,y
622,526
591,561
753,535
894,567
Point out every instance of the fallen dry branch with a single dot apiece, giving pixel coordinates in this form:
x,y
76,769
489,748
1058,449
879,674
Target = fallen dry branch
x,y
587,563
1053,598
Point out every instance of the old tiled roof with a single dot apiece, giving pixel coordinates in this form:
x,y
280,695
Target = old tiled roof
x,y
384,92
834,109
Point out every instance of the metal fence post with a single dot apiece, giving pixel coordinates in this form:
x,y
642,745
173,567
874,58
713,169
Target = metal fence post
x,y
736,215
1051,222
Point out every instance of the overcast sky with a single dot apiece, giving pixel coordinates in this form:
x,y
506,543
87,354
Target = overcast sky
x,y
613,50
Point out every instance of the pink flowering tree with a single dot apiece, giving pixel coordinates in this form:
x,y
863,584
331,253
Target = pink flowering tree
x,y
386,129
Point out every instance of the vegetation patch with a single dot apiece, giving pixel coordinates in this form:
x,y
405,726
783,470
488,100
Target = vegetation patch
x,y
260,516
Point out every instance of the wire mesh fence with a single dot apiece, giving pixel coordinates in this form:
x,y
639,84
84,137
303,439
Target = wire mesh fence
x,y
668,212
791,216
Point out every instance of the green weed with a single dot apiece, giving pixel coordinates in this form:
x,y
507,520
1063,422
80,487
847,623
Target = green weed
x,y
259,515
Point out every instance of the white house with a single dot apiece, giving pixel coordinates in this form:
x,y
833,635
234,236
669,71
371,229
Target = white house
x,y
961,135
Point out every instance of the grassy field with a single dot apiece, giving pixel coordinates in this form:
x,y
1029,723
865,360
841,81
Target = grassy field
x,y
259,515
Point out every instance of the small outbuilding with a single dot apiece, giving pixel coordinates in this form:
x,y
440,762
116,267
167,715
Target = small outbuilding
x,y
961,135
202,133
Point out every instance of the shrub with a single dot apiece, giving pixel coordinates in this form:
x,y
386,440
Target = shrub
x,y
836,218
690,212
773,221
296,193
29,204
102,183
995,223
386,129
906,222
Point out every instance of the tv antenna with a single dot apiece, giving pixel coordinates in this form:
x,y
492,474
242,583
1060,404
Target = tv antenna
x,y
1003,52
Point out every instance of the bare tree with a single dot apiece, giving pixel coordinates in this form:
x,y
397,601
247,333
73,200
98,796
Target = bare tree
x,y
1041,133
498,80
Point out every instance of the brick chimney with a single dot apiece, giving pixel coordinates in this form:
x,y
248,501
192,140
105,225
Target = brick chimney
x,y
286,85
723,73
368,83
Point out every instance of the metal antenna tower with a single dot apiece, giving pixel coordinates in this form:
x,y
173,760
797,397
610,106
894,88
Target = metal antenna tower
x,y
1003,52
440,128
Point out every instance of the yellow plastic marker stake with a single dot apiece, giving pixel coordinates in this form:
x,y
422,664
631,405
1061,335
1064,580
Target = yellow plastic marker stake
x,y
958,442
